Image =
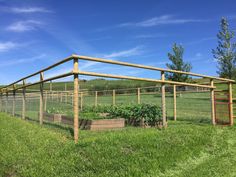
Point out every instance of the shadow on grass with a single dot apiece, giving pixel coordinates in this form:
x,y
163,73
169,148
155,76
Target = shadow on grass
x,y
63,128
192,120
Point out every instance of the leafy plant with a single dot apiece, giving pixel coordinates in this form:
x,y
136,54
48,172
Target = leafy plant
x,y
151,114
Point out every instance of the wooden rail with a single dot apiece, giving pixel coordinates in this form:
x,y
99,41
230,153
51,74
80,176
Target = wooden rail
x,y
147,67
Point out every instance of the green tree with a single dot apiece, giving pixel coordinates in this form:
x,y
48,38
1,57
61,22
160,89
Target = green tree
x,y
177,63
225,52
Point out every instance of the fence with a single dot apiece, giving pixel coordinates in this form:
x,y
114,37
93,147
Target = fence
x,y
18,96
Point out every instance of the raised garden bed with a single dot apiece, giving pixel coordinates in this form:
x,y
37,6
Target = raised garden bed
x,y
101,124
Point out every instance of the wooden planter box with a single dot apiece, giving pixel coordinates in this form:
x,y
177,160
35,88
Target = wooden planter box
x,y
102,124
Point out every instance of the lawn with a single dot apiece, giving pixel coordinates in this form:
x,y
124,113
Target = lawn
x,y
183,149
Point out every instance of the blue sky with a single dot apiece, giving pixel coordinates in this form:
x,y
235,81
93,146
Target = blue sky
x,y
35,34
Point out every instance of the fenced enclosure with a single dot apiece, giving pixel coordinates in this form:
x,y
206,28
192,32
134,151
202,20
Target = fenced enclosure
x,y
182,100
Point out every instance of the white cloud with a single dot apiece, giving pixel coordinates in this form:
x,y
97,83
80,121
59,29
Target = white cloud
x,y
5,46
161,20
22,26
23,60
125,53
200,40
29,10
146,36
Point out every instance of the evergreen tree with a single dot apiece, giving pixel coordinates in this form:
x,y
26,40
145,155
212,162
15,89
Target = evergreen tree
x,y
177,63
225,53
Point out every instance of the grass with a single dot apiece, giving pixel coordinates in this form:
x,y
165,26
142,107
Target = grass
x,y
183,149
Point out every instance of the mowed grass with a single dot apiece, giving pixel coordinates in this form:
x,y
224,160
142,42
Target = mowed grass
x,y
183,149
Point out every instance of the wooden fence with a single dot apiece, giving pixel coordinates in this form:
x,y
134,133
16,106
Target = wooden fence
x,y
22,85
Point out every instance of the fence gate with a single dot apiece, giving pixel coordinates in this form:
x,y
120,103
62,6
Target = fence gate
x,y
222,107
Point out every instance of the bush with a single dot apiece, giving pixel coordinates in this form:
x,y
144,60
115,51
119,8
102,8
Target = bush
x,y
151,114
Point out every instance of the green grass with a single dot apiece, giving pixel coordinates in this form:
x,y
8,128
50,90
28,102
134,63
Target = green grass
x,y
183,149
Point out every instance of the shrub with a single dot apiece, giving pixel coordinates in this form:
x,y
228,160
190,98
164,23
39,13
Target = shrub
x,y
151,114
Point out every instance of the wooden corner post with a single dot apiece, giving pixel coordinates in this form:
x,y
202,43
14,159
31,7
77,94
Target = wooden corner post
x,y
175,109
76,101
41,107
163,98
231,104
213,116
23,100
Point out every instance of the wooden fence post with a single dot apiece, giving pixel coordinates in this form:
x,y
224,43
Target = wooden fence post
x,y
175,109
41,107
231,104
81,101
65,87
96,98
23,100
14,101
163,98
66,95
1,102
61,97
113,97
76,101
6,110
45,101
138,96
213,117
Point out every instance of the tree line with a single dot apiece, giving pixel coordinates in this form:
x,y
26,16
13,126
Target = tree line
x,y
224,54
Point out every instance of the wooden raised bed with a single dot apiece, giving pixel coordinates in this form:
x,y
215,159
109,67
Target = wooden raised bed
x,y
101,124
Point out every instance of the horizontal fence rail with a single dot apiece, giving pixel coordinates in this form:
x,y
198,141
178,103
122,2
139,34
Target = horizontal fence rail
x,y
20,87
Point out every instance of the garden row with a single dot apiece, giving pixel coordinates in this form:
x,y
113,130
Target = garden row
x,y
110,117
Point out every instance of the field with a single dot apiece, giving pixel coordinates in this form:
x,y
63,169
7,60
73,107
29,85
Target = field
x,y
184,149
191,146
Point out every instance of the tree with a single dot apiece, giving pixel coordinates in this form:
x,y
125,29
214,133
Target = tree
x,y
225,52
177,63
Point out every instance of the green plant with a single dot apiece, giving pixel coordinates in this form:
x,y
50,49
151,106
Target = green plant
x,y
151,114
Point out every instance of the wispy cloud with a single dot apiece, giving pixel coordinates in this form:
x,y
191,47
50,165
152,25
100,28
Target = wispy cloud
x,y
29,10
200,40
20,61
6,46
125,53
22,26
156,21
161,20
147,36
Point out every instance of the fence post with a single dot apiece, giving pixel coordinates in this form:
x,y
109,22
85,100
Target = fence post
x,y
113,97
14,101
41,107
45,101
174,95
1,102
23,100
138,95
96,98
213,116
76,101
81,101
66,100
231,104
163,98
6,110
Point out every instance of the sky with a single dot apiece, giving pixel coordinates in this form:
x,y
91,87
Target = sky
x,y
37,33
